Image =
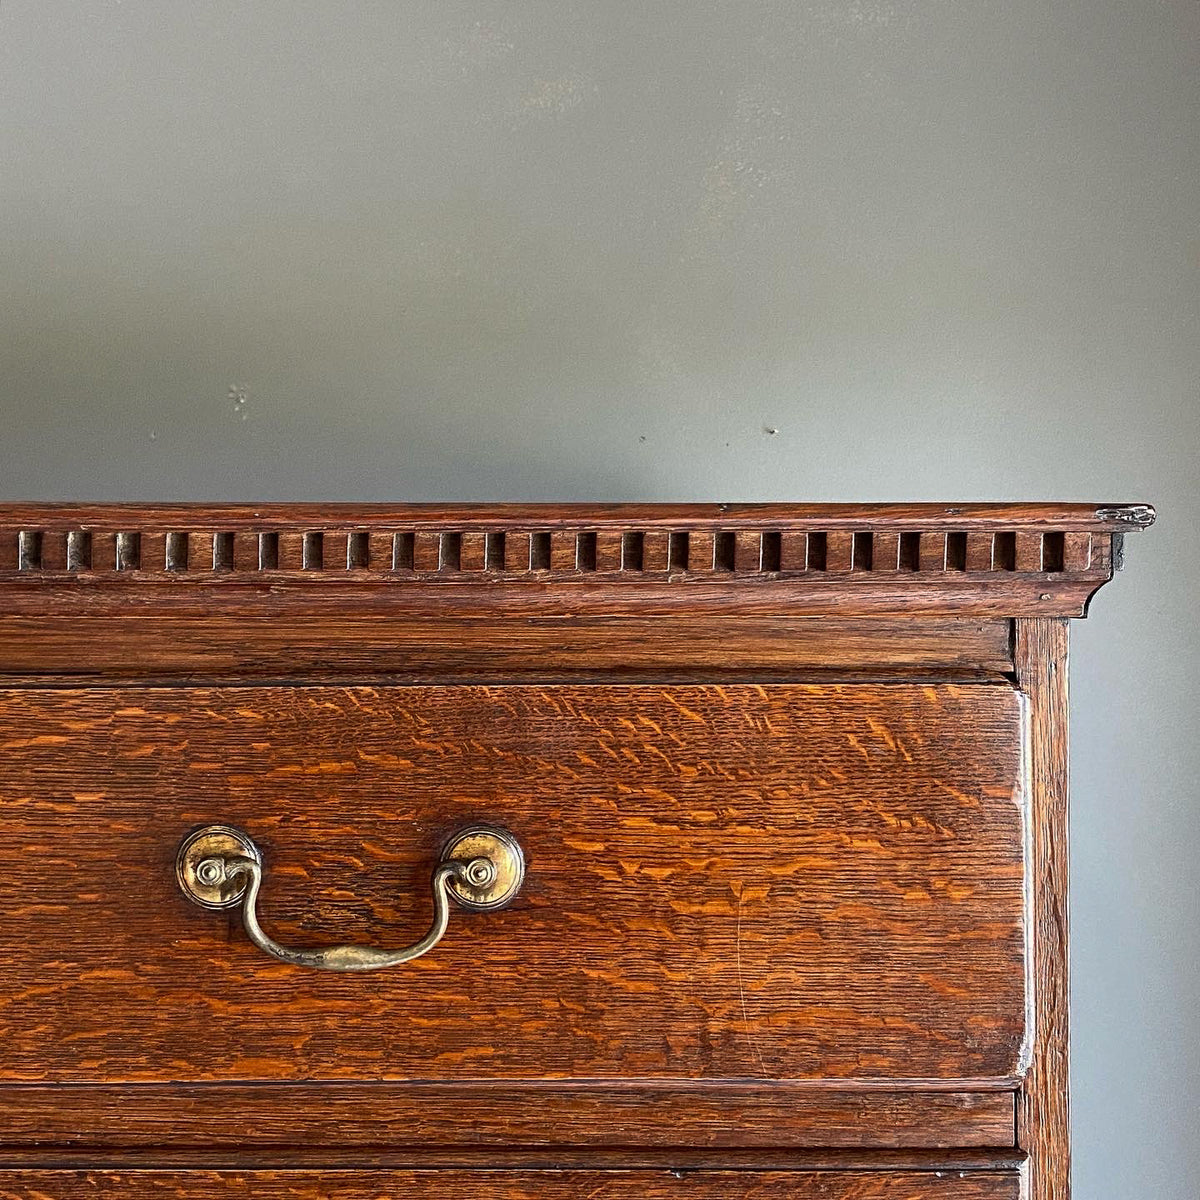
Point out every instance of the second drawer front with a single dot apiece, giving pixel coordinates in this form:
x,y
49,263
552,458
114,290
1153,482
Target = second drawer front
x,y
784,883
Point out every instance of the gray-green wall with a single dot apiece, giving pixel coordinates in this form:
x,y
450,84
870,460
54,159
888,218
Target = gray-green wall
x,y
751,249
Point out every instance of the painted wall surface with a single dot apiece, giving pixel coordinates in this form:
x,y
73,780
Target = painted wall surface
x,y
689,249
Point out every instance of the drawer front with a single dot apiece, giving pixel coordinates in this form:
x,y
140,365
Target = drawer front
x,y
553,1185
790,882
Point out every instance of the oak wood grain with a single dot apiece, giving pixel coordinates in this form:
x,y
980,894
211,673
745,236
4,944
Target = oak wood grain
x,y
583,1185
778,929
806,882
284,597
236,1156
463,1119
1098,517
702,647
1043,1110
1041,559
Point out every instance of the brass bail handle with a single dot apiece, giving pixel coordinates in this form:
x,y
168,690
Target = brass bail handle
x,y
219,867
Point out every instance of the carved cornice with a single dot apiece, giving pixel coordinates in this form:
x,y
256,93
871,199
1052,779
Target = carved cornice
x,y
993,559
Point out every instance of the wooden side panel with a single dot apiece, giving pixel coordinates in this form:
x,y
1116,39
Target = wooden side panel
x,y
1043,1114
789,882
508,1185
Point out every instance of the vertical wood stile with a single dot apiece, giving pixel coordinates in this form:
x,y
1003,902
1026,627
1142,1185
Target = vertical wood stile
x,y
1043,1118
747,550
379,550
839,550
1029,551
931,552
245,551
979,551
154,551
1077,551
701,548
793,551
656,550
608,550
54,550
564,550
473,552
335,549
199,549
427,550
516,552
291,551
885,551
104,551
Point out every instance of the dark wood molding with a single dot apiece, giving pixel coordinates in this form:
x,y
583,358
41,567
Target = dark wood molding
x,y
982,559
662,1184
168,1156
711,646
485,1119
1090,518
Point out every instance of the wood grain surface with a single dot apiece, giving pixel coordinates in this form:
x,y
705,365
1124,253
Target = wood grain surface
x,y
472,1119
1110,516
804,882
985,596
779,918
507,1185
703,647
1043,1107
330,1157
985,560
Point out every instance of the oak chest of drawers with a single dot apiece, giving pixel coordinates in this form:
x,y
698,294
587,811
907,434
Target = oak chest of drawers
x,y
553,852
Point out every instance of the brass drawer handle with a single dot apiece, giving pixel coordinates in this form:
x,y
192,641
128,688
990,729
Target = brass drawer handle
x,y
220,867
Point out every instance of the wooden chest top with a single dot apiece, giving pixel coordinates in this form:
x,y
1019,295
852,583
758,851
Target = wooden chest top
x,y
782,790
